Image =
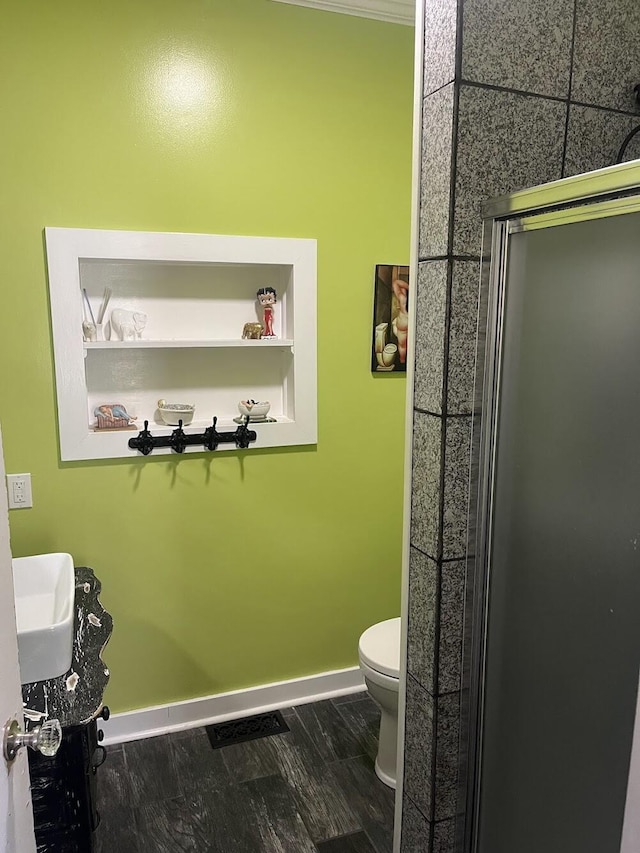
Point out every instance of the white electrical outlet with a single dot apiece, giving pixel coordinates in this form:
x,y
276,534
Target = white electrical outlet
x,y
19,491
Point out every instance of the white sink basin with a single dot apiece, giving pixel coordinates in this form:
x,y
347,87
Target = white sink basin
x,y
44,588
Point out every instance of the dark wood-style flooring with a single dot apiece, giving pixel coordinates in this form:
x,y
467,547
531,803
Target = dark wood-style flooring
x,y
310,790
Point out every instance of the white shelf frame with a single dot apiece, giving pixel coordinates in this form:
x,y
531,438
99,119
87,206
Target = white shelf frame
x,y
273,343
66,247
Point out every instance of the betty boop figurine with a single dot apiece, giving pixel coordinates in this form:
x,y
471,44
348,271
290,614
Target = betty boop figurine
x,y
267,299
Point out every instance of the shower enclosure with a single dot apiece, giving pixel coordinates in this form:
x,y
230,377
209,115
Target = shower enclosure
x,y
554,601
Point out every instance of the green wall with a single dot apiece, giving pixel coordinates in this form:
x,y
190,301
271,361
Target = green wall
x,y
230,117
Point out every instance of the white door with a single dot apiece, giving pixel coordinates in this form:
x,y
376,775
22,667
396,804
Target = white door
x,y
16,816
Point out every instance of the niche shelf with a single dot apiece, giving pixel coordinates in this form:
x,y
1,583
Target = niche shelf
x,y
198,291
276,344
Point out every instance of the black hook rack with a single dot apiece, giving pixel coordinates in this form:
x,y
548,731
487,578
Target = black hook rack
x,y
179,440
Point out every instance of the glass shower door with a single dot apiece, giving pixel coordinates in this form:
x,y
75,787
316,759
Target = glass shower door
x,y
562,647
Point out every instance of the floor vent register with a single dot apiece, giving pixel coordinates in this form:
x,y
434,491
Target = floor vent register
x,y
249,728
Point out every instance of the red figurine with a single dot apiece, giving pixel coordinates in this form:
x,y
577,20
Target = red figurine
x,y
267,299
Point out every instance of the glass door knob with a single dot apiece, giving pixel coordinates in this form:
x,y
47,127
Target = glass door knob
x,y
45,738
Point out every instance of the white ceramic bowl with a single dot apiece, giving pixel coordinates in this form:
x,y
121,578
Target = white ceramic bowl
x,y
256,411
171,413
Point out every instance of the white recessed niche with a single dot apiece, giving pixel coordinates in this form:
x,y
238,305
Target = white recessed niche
x,y
197,291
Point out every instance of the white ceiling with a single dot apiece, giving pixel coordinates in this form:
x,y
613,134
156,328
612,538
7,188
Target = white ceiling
x,y
395,11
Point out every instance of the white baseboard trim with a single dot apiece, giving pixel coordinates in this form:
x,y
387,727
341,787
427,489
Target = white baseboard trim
x,y
176,716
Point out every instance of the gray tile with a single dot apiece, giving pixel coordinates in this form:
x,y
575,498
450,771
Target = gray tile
x,y
371,800
440,25
179,823
447,756
198,766
252,759
456,487
463,324
112,782
524,45
416,829
355,843
430,335
506,142
114,832
425,488
423,618
363,720
232,821
423,585
606,63
444,836
327,731
435,172
419,744
151,769
321,803
276,820
595,137
452,586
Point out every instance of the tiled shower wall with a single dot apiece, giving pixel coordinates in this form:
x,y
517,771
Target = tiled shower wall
x,y
516,93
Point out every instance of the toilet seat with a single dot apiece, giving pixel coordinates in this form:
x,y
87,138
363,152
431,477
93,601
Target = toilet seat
x,y
379,648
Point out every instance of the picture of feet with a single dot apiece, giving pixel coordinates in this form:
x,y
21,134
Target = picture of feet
x,y
390,319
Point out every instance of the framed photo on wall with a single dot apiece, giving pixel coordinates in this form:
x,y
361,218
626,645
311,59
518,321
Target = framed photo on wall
x,y
390,319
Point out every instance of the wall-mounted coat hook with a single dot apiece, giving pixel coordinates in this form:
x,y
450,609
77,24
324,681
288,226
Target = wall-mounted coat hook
x,y
144,441
179,440
243,434
211,439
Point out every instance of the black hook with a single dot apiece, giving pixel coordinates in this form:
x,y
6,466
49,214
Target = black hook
x,y
178,438
211,437
144,441
242,434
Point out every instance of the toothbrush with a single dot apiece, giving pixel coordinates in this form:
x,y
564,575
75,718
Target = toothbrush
x,y
93,320
105,302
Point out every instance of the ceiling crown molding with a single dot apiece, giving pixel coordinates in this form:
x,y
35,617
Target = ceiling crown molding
x,y
393,11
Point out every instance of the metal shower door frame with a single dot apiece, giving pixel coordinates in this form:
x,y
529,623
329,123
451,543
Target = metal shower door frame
x,y
607,192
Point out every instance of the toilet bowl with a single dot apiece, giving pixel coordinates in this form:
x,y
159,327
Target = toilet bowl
x,y
379,654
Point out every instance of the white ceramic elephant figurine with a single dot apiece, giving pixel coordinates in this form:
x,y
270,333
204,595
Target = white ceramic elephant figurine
x,y
127,325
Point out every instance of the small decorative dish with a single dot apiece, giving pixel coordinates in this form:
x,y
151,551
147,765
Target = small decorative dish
x,y
256,411
171,413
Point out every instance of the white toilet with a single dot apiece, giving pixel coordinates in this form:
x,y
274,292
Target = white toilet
x,y
379,653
